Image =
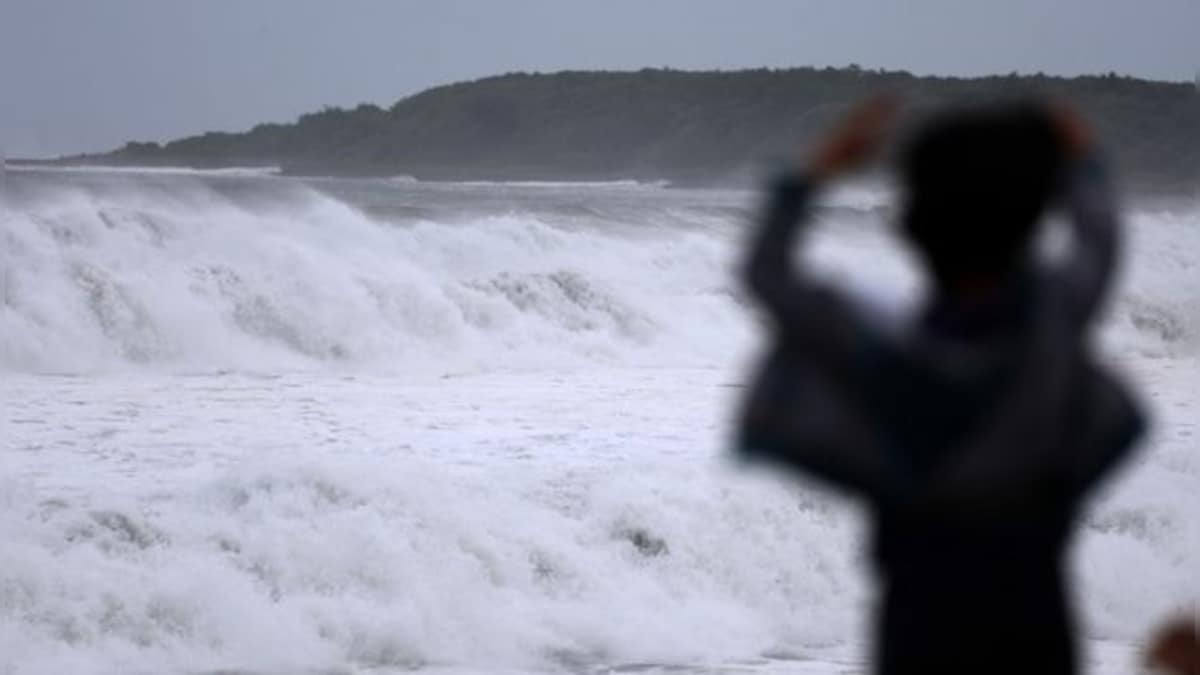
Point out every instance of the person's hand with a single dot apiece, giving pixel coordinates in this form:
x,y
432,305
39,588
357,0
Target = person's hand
x,y
1073,131
856,137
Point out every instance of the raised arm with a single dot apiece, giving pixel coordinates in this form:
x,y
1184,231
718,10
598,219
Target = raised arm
x,y
808,314
811,316
1086,274
1084,277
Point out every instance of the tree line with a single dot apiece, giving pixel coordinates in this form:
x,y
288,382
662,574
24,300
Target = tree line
x,y
685,126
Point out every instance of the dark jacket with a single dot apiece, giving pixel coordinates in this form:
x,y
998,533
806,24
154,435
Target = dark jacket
x,y
973,436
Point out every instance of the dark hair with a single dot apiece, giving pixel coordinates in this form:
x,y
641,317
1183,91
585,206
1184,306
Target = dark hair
x,y
977,183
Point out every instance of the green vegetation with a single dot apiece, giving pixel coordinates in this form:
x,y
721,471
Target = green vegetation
x,y
663,124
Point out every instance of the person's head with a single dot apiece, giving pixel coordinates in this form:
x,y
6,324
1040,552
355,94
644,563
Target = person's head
x,y
977,182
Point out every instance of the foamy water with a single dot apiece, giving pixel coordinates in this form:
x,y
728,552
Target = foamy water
x,y
346,426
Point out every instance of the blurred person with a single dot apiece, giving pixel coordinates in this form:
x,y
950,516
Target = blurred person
x,y
975,430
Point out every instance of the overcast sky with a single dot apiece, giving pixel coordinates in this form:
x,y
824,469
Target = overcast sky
x,y
88,75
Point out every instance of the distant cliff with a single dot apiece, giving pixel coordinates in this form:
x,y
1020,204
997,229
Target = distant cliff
x,y
661,124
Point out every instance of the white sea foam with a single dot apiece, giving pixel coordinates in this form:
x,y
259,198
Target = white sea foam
x,y
194,280
287,436
626,183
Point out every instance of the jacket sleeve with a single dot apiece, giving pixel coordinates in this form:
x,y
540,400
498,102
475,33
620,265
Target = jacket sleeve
x,y
1084,277
798,412
811,317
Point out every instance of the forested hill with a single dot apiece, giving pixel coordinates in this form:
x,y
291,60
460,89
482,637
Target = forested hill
x,y
662,124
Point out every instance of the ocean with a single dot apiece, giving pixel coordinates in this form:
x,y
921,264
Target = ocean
x,y
262,424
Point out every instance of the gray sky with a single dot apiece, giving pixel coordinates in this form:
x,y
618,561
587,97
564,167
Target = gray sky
x,y
88,75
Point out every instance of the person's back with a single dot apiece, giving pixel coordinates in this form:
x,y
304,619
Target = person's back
x,y
975,436
954,581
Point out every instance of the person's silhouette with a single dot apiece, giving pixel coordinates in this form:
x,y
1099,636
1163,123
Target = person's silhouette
x,y
974,433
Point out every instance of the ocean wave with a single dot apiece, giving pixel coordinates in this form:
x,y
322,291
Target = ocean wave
x,y
187,276
176,273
